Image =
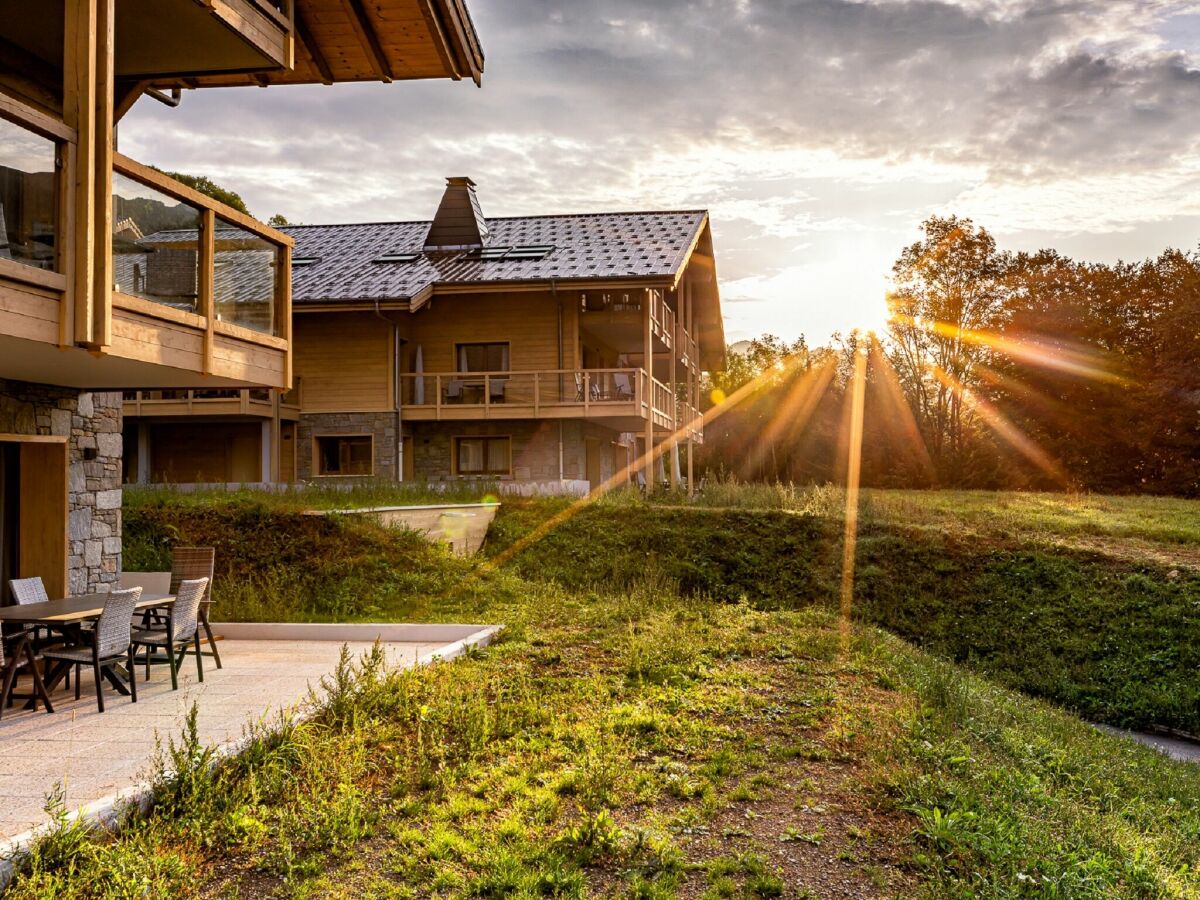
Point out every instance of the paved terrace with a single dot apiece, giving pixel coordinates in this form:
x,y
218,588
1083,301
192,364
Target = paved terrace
x,y
95,756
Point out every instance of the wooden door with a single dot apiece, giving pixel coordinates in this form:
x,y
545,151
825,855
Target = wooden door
x,y
406,450
593,462
44,513
287,452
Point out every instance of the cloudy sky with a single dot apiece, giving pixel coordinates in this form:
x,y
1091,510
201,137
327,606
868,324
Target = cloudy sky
x,y
818,132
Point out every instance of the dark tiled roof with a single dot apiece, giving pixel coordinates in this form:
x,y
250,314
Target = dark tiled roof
x,y
600,246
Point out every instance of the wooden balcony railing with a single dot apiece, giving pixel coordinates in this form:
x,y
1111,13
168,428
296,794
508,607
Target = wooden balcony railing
x,y
208,402
216,301
662,319
557,393
230,274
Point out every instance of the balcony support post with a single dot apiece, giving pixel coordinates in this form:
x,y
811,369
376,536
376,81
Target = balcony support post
x,y
691,480
88,108
674,402
648,360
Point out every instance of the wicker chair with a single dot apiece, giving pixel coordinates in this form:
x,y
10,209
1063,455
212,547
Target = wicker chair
x,y
183,628
197,562
31,590
28,590
111,645
22,656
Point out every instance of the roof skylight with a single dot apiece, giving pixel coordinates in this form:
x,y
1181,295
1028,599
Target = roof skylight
x,y
524,251
397,258
299,262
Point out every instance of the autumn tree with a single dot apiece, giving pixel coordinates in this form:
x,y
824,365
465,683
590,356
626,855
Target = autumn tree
x,y
948,287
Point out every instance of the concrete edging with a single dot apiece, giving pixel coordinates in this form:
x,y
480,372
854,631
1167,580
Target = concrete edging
x,y
106,812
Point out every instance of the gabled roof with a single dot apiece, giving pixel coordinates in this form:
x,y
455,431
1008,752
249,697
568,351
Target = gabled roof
x,y
604,246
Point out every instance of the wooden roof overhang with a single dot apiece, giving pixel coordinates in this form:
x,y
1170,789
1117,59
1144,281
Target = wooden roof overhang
x,y
355,40
175,44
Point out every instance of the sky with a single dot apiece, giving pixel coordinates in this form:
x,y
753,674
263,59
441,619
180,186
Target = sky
x,y
818,133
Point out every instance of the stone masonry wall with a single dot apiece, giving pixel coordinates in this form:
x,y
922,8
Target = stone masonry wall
x,y
90,421
534,447
381,425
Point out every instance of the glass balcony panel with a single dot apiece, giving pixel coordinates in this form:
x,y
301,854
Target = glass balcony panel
x,y
244,283
156,245
28,197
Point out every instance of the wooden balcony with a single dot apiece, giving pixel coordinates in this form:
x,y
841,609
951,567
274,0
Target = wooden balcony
x,y
618,318
220,318
253,402
620,398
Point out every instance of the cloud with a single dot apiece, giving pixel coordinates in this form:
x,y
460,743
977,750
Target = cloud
x,y
819,132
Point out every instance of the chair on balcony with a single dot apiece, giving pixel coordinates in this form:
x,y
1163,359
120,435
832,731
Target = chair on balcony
x,y
454,391
110,647
496,388
183,630
621,387
13,659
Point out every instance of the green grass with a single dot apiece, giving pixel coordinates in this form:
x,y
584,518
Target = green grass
x,y
1111,637
360,493
646,744
669,712
1167,520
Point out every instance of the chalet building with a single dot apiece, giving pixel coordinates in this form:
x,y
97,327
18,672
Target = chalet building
x,y
542,351
89,306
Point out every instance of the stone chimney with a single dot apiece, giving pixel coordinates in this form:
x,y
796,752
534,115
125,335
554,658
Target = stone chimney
x,y
459,223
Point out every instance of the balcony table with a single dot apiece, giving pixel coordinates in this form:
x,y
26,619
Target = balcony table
x,y
71,612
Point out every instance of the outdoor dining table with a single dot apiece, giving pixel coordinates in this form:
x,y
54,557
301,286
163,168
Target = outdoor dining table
x,y
68,614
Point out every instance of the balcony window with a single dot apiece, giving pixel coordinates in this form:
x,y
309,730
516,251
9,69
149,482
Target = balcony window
x,y
244,283
344,454
28,197
156,245
483,357
482,456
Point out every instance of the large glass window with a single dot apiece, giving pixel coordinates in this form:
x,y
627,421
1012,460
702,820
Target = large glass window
x,y
482,456
156,245
345,454
244,282
28,197
483,357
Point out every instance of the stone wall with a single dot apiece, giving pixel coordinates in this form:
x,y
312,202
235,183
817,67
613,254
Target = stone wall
x,y
90,421
534,448
381,425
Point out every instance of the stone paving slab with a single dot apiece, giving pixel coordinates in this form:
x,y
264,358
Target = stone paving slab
x,y
93,756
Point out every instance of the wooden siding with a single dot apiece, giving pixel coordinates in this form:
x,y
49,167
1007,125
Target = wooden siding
x,y
528,322
344,360
206,452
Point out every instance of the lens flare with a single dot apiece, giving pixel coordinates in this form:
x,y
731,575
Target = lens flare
x,y
858,392
717,396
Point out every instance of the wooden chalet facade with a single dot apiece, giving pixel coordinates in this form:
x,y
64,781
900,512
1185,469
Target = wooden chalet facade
x,y
546,351
89,307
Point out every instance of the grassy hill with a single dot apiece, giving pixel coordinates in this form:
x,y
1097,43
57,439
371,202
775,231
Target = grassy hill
x,y
673,712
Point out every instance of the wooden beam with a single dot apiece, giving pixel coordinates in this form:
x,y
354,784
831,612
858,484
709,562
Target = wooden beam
x,y
79,113
312,51
438,33
365,31
127,94
206,272
283,295
105,119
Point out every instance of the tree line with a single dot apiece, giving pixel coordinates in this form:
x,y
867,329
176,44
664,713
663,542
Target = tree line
x,y
997,370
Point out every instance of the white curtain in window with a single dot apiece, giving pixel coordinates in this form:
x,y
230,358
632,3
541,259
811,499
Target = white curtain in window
x,y
497,456
470,456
